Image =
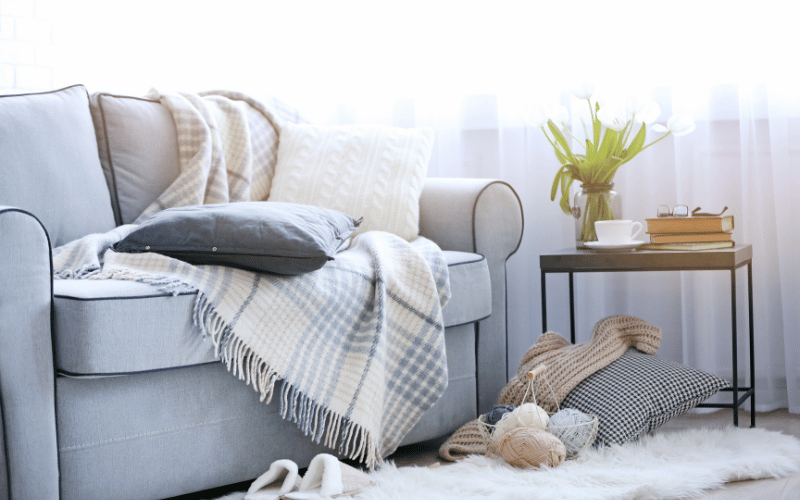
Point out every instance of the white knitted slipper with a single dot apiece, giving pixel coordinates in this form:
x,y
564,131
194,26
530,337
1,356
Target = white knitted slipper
x,y
327,477
266,487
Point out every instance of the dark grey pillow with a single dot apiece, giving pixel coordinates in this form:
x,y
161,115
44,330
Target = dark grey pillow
x,y
281,238
638,393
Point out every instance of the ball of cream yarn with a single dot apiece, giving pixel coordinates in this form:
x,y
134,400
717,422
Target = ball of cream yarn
x,y
530,415
529,447
526,415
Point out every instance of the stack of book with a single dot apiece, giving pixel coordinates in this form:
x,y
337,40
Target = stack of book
x,y
689,233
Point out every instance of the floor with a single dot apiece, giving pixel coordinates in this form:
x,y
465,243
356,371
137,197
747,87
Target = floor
x,y
770,489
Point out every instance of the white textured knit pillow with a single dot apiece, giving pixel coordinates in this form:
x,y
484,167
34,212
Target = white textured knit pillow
x,y
371,171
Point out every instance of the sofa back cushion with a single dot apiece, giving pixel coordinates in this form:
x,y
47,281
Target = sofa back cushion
x,y
138,147
49,163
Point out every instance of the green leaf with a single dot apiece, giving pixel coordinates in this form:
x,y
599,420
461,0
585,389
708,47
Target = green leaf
x,y
561,141
585,130
566,183
609,141
573,170
562,158
636,144
621,138
597,127
554,190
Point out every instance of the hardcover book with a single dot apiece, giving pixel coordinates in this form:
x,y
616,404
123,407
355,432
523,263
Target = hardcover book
x,y
690,237
703,224
711,245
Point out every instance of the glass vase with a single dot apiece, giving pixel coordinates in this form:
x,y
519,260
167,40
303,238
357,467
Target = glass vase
x,y
594,202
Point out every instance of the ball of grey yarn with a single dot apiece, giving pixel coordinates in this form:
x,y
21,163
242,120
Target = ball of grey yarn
x,y
574,428
496,413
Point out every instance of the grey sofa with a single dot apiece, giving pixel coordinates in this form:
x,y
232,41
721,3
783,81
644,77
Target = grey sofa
x,y
106,388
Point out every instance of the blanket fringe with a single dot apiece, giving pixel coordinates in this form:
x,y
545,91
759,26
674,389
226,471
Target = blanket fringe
x,y
84,272
165,284
327,427
320,423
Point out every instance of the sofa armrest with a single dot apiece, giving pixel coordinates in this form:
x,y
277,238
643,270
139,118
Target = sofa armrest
x,y
27,383
482,216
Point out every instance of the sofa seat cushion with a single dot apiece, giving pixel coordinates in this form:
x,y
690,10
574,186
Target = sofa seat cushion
x,y
112,327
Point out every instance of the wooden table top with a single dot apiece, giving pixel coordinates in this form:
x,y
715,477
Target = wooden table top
x,y
575,260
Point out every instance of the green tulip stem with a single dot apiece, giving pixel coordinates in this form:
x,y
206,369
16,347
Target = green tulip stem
x,y
548,138
659,139
574,137
628,133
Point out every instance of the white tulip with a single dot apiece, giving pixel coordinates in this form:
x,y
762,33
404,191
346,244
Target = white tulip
x,y
613,117
583,91
649,112
678,125
645,110
635,103
607,97
559,115
536,118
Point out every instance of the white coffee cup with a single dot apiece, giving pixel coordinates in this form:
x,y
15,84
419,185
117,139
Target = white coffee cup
x,y
616,232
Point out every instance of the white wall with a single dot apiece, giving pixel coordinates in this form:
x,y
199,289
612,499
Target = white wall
x,y
26,46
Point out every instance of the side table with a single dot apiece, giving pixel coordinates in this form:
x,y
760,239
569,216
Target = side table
x,y
573,261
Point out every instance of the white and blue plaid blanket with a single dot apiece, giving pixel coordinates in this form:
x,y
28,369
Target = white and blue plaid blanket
x,y
358,344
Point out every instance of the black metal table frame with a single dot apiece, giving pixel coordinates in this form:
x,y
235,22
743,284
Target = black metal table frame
x,y
747,392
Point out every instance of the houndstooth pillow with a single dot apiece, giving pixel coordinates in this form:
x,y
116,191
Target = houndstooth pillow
x,y
638,393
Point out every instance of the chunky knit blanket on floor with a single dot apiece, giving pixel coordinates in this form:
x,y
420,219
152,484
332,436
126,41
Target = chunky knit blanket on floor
x,y
358,344
568,365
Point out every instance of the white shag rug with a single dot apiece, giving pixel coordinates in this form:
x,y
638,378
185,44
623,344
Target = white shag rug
x,y
662,466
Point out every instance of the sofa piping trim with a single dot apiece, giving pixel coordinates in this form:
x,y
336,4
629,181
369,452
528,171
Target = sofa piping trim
x,y
467,262
154,296
521,214
505,272
65,373
55,91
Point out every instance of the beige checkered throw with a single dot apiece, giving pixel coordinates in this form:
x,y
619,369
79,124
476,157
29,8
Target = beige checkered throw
x,y
227,147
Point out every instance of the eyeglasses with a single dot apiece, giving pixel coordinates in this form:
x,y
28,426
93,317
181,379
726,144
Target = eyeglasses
x,y
683,211
677,211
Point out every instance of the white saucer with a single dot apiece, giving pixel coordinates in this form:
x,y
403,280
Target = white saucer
x,y
596,245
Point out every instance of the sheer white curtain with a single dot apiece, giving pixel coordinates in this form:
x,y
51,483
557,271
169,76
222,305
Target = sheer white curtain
x,y
469,70
744,154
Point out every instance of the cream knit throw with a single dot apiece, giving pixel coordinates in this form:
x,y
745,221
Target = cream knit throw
x,y
568,365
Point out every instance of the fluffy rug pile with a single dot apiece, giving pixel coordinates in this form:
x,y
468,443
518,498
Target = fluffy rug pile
x,y
666,465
